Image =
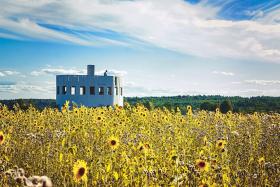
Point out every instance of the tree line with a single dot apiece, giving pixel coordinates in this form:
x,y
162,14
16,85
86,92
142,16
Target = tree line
x,y
199,102
210,103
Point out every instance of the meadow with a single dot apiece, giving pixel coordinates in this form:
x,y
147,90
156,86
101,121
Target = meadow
x,y
134,146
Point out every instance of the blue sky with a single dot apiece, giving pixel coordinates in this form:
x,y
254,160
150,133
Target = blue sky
x,y
160,47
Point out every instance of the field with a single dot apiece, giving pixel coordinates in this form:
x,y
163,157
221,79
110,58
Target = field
x,y
134,146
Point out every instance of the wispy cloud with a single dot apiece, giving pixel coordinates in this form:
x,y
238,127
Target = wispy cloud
x,y
8,73
263,82
74,71
7,83
113,72
223,73
22,86
57,71
194,29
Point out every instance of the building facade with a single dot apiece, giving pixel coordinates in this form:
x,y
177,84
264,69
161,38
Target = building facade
x,y
89,90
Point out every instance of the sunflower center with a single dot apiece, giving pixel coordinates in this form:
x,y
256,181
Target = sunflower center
x,y
113,142
81,172
1,138
98,118
174,157
220,144
201,164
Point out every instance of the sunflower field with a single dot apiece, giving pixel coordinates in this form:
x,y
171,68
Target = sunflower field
x,y
134,146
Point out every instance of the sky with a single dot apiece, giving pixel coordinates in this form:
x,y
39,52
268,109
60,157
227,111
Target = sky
x,y
159,47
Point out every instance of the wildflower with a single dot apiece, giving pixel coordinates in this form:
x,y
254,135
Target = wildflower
x,y
80,171
202,165
2,138
113,142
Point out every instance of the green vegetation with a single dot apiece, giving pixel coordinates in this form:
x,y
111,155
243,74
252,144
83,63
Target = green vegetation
x,y
210,103
200,102
25,103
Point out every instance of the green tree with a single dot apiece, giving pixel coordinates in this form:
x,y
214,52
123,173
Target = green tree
x,y
226,106
207,105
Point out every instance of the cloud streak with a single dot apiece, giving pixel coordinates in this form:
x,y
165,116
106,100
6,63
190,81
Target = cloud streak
x,y
263,82
223,73
176,25
22,86
74,71
8,73
57,71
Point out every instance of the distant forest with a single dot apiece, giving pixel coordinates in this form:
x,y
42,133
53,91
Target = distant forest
x,y
200,102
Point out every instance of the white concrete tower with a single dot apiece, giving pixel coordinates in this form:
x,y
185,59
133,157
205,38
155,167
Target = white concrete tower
x,y
89,90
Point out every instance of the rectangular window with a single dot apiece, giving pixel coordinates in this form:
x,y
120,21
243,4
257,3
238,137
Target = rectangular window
x,y
64,90
57,90
92,90
82,90
109,91
73,90
116,81
101,90
121,91
116,90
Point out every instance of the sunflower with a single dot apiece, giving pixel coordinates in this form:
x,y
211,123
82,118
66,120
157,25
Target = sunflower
x,y
2,138
99,118
205,141
173,155
144,147
202,165
76,110
147,146
220,144
203,184
261,161
113,142
80,171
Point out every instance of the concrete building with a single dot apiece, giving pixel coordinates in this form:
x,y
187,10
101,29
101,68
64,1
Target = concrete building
x,y
89,90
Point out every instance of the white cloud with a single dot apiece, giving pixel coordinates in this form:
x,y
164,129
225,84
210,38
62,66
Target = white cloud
x,y
57,71
175,25
74,71
11,72
36,73
22,86
112,72
263,82
255,13
223,73
8,73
